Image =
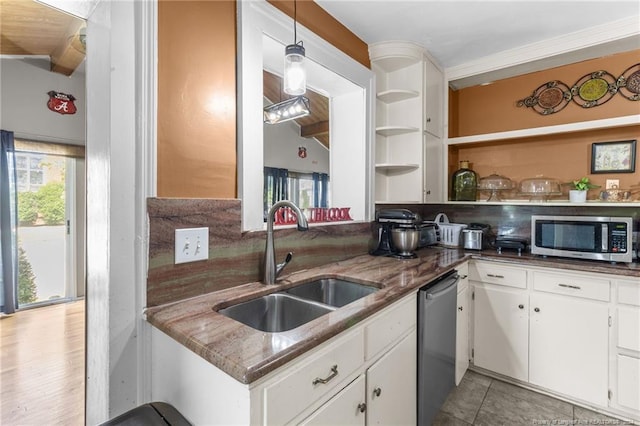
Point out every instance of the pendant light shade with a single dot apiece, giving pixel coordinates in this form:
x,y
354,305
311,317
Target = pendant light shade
x,y
295,77
286,110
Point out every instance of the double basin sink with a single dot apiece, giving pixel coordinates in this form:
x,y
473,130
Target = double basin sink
x,y
291,308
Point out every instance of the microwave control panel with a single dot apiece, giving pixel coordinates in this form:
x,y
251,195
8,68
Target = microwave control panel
x,y
618,238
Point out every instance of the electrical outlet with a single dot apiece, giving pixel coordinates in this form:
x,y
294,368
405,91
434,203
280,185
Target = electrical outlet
x,y
612,183
191,244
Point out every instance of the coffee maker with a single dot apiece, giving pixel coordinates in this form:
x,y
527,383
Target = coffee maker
x,y
386,220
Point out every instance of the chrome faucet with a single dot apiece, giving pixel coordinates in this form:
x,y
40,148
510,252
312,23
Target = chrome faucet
x,y
271,270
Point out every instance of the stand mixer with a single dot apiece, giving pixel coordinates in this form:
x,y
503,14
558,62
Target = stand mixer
x,y
404,222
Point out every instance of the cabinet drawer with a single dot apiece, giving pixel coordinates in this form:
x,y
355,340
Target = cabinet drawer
x,y
390,325
299,387
629,292
629,328
498,274
572,285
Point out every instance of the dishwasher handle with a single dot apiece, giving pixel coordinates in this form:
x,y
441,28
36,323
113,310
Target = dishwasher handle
x,y
444,287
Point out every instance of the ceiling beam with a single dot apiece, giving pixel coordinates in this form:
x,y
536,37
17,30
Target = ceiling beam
x,y
70,52
315,129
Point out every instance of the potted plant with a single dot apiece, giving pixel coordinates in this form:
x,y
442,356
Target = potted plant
x,y
579,192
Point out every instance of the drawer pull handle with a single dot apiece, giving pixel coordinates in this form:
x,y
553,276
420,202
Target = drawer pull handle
x,y
460,308
377,392
334,373
362,407
536,309
521,306
463,277
495,276
570,286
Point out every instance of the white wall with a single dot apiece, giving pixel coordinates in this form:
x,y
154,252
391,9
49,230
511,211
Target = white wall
x,y
281,142
23,105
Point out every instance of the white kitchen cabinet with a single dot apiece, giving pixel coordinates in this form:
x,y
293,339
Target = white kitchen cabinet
x,y
568,347
389,399
433,98
381,348
347,408
462,323
409,165
571,333
626,394
500,331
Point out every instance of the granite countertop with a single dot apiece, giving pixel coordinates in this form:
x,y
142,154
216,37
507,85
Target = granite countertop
x,y
248,354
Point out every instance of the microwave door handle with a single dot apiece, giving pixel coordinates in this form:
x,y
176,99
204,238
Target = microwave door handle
x,y
605,238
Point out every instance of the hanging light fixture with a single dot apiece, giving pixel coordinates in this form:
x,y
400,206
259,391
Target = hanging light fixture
x,y
286,110
295,77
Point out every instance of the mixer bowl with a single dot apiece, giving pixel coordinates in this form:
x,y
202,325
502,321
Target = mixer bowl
x,y
405,240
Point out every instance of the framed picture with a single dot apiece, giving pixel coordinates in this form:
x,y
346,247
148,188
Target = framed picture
x,y
613,157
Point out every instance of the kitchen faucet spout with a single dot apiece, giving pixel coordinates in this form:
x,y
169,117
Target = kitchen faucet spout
x,y
271,270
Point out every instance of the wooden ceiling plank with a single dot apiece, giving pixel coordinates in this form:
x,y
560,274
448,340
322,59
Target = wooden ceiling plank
x,y
315,129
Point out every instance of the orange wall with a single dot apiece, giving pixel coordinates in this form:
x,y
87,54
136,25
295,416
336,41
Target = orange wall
x,y
492,108
565,157
196,99
197,90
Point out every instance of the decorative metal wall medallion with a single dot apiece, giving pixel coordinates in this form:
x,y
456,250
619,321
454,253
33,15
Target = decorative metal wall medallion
x,y
549,98
594,89
629,83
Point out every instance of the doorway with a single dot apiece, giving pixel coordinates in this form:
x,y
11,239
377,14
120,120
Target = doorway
x,y
50,219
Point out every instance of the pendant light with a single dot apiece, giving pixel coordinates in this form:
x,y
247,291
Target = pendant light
x,y
295,77
286,110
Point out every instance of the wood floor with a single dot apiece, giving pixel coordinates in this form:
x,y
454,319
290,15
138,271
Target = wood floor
x,y
42,366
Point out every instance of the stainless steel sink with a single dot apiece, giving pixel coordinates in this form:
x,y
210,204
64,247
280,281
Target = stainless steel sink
x,y
332,291
276,312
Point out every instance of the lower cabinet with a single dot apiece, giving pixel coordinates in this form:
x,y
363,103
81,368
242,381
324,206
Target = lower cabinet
x,y
391,385
346,408
626,393
365,375
568,350
462,323
570,333
500,318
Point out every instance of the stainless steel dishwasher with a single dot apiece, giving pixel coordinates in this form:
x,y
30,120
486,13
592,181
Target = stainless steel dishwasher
x,y
436,344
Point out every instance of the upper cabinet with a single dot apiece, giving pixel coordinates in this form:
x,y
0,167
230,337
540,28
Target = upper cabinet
x,y
409,153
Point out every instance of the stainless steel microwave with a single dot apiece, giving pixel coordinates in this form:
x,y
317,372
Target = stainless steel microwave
x,y
583,237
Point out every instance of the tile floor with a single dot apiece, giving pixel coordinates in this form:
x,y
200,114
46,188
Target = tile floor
x,y
481,400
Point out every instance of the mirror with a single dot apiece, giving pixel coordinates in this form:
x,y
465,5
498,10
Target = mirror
x,y
348,86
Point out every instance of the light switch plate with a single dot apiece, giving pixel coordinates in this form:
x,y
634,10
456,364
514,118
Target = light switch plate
x,y
191,244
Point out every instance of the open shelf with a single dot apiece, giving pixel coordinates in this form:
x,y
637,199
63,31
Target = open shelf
x,y
395,130
628,120
397,95
395,167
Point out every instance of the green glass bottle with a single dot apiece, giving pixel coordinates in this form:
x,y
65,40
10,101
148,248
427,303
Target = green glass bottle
x,y
464,183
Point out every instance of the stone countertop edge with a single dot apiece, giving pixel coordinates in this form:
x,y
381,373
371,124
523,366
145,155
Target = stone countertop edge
x,y
247,354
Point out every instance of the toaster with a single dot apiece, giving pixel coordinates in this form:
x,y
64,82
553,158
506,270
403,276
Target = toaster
x,y
475,237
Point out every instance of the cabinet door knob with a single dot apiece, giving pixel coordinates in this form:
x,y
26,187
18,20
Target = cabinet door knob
x,y
429,120
334,373
460,308
521,306
536,309
377,392
362,407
